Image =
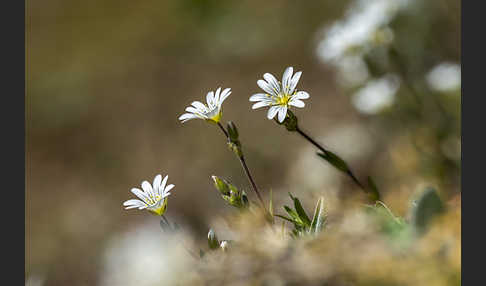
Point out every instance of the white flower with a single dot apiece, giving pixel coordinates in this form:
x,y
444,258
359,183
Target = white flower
x,y
364,26
377,94
153,197
211,111
279,96
445,77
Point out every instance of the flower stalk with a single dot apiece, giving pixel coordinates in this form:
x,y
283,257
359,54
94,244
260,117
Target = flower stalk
x,y
328,154
235,145
291,124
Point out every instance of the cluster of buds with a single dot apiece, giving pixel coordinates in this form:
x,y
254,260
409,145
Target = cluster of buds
x,y
230,193
214,243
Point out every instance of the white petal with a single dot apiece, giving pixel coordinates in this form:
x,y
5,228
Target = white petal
x,y
192,109
286,77
167,189
133,202
297,103
272,111
272,81
216,96
259,97
294,81
147,187
282,113
164,181
261,104
301,95
200,106
226,92
266,87
210,98
187,116
156,184
141,195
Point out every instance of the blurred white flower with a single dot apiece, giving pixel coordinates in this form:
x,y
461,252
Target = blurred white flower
x,y
376,94
279,96
210,112
153,197
352,71
445,77
145,256
364,26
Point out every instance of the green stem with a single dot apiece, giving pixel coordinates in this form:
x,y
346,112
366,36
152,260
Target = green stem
x,y
247,171
348,172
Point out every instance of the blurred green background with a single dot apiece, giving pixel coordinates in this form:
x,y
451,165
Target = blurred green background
x,y
107,80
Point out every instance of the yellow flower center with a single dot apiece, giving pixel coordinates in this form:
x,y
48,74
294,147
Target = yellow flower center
x,y
283,99
160,210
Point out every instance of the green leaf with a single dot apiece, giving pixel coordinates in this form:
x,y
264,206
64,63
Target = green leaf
x,y
334,160
300,211
426,207
319,218
292,213
374,193
284,217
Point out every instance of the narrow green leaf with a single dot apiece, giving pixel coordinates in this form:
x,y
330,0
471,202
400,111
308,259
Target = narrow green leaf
x,y
334,160
284,217
300,211
374,193
319,218
292,213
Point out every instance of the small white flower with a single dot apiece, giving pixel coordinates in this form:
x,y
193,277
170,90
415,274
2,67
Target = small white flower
x,y
377,94
279,96
445,77
210,112
153,197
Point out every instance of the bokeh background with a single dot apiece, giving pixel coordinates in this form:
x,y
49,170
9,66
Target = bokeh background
x,y
107,80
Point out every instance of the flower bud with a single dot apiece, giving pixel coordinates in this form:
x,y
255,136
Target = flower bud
x,y
232,131
221,185
230,193
224,245
213,242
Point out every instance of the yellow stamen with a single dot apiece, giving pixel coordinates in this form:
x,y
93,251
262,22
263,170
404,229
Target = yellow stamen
x,y
283,99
